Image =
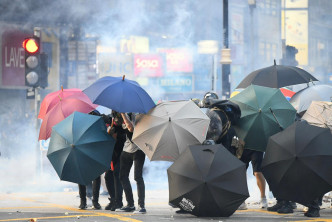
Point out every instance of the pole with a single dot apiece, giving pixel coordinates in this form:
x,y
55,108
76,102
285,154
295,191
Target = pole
x,y
39,159
226,68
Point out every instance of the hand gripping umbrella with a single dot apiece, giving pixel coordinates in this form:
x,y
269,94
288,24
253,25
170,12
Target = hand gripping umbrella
x,y
119,94
169,128
277,76
303,98
80,149
60,111
207,181
264,112
53,98
298,163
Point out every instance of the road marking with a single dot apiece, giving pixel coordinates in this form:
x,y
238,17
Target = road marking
x,y
44,218
6,208
93,213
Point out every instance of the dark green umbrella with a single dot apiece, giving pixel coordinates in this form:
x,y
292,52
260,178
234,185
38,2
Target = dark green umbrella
x,y
264,112
207,181
80,148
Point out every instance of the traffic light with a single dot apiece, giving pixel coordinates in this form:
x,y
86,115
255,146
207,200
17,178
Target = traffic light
x,y
36,63
289,56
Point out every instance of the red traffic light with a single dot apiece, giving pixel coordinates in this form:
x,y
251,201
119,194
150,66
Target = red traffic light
x,y
31,45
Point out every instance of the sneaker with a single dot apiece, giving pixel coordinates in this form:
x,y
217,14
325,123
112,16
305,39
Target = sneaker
x,y
116,205
243,206
126,209
140,210
305,209
275,207
263,203
286,209
312,212
83,205
110,204
96,205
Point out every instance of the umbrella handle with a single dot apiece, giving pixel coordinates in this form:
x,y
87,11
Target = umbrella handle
x,y
276,119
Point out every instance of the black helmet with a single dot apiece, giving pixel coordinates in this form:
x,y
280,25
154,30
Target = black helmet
x,y
211,95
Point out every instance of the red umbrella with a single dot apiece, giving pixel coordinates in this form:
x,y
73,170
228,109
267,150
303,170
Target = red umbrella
x,y
53,98
60,111
287,93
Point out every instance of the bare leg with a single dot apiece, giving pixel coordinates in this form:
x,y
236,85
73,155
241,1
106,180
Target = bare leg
x,y
260,183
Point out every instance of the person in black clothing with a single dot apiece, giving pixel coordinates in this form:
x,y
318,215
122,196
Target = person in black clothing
x,y
95,185
112,178
130,155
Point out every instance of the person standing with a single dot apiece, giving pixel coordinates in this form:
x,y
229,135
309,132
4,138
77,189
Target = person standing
x,y
256,158
95,194
130,155
112,176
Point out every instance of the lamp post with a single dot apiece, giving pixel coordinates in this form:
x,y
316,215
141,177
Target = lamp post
x,y
225,56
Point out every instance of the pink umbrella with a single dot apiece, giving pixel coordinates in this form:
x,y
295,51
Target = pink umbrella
x,y
60,111
53,98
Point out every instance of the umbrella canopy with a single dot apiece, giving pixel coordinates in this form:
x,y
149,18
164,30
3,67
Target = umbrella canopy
x,y
169,128
264,112
298,163
80,149
277,76
287,93
319,114
303,98
120,94
54,98
60,111
207,181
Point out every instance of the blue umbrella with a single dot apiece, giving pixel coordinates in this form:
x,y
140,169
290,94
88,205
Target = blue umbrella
x,y
119,94
80,148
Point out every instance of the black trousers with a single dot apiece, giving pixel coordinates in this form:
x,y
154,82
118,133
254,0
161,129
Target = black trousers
x,y
95,190
126,162
113,183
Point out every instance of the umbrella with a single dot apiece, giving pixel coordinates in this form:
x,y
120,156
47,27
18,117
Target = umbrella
x,y
80,149
303,98
319,114
53,98
264,112
207,181
287,93
298,163
169,128
60,111
277,76
120,94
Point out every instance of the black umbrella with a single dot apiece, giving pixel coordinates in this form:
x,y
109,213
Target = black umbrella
x,y
298,163
277,76
207,181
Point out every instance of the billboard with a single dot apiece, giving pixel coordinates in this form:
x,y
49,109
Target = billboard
x,y
178,59
176,83
111,64
148,65
13,64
